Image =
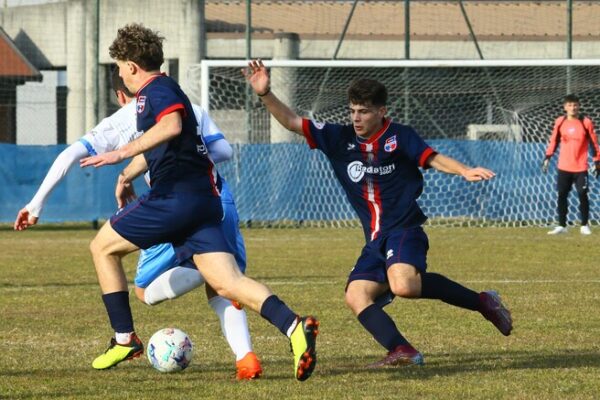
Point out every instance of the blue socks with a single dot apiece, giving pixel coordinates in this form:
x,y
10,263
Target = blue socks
x,y
276,312
382,327
119,312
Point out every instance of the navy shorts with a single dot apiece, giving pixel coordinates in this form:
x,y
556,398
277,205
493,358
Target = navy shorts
x,y
190,221
160,258
407,246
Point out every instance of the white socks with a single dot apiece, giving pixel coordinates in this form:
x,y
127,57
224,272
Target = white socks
x,y
171,284
123,338
234,326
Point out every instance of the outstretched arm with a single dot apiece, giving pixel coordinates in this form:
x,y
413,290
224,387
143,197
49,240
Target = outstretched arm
x,y
450,166
256,74
29,215
166,129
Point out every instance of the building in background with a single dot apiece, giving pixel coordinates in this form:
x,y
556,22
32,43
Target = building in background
x,y
72,36
15,70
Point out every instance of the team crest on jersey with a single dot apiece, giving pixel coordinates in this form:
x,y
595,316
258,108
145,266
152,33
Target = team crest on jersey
x,y
390,144
141,103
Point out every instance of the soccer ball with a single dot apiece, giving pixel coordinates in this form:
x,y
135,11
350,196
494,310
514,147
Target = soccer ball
x,y
170,350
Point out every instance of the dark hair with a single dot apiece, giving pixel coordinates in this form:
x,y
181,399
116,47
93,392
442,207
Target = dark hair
x,y
571,98
139,44
367,91
118,84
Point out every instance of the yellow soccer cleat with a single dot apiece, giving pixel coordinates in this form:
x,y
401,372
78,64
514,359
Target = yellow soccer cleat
x,y
119,352
303,343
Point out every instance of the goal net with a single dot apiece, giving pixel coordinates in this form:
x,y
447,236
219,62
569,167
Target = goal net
x,y
496,114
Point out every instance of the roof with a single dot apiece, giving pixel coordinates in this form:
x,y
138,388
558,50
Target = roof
x,y
429,19
13,64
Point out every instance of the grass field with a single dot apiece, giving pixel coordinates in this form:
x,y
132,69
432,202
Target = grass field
x,y
53,323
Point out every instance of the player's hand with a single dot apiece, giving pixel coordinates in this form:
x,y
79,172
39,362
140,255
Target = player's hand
x,y
478,174
24,220
124,192
545,165
256,74
112,157
597,169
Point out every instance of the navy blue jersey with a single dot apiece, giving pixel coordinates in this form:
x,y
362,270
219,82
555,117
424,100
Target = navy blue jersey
x,y
182,163
380,175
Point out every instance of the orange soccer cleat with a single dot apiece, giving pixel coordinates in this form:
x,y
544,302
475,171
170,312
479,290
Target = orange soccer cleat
x,y
248,368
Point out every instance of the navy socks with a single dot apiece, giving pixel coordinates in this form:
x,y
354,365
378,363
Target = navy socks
x,y
276,312
382,327
436,286
119,312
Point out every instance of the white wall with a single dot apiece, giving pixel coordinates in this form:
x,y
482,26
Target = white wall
x,y
37,109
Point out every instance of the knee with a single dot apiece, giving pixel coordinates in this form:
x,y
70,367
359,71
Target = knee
x,y
356,301
407,287
226,288
140,293
96,246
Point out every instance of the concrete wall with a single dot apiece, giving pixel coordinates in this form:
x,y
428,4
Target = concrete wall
x,y
37,118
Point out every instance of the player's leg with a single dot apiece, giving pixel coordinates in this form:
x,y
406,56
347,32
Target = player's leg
x,y
234,326
581,185
360,297
367,284
563,183
221,272
149,220
159,278
107,248
406,252
234,323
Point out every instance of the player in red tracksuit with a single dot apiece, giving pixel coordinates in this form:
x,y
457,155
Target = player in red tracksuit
x,y
575,133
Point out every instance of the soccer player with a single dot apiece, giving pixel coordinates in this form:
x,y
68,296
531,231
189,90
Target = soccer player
x,y
377,163
575,133
159,277
182,207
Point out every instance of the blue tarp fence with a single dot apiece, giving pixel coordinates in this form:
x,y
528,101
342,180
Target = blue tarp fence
x,y
289,182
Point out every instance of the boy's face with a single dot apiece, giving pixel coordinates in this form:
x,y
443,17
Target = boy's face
x,y
366,119
127,71
572,109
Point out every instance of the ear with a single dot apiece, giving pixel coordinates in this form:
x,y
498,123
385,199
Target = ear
x,y
382,111
133,67
121,98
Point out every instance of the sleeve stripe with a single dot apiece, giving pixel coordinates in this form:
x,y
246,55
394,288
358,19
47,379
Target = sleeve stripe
x,y
169,110
425,155
307,134
88,146
213,138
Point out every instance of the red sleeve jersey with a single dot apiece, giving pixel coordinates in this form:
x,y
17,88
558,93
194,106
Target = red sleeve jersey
x,y
574,136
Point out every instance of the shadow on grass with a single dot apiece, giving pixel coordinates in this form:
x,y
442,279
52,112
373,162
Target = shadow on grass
x,y
447,365
436,365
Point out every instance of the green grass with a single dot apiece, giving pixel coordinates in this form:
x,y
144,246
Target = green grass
x,y
53,323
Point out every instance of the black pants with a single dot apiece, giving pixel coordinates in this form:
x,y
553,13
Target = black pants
x,y
565,181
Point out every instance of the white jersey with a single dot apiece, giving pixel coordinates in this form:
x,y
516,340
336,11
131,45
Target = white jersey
x,y
110,134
